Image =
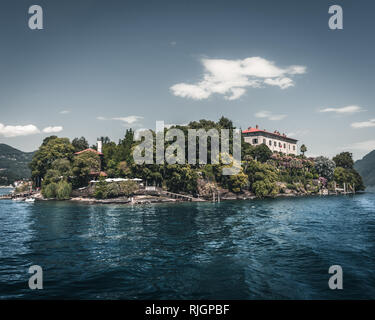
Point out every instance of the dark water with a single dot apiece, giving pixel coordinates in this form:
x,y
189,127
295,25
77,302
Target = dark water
x,y
273,249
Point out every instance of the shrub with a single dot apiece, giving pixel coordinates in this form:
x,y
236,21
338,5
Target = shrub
x,y
101,189
263,188
63,190
49,191
128,188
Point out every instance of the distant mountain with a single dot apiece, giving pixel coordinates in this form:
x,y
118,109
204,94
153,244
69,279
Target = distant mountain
x,y
13,164
366,168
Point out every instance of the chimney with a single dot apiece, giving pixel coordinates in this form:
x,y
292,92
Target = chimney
x,y
257,126
99,144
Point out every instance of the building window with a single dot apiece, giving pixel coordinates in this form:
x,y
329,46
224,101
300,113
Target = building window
x,y
255,141
264,141
294,148
275,143
284,145
270,142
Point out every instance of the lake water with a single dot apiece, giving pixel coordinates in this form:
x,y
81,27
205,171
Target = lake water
x,y
260,249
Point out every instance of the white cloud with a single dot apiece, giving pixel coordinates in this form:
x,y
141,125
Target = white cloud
x,y
269,115
283,83
364,124
168,126
64,111
128,119
343,110
231,78
367,145
53,129
16,131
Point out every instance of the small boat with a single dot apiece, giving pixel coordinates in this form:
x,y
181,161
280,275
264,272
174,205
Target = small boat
x,y
30,200
18,199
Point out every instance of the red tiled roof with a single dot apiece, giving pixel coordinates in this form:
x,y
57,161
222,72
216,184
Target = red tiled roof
x,y
89,149
275,134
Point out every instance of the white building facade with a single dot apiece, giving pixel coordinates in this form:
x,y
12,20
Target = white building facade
x,y
276,141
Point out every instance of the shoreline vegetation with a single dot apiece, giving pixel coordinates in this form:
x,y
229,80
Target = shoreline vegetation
x,y
64,170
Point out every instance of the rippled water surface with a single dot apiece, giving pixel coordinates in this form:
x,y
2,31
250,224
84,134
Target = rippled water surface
x,y
263,249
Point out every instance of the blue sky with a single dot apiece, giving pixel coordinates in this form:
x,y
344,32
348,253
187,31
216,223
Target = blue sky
x,y
99,67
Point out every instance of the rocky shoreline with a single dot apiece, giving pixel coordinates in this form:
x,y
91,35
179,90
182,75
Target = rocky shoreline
x,y
153,199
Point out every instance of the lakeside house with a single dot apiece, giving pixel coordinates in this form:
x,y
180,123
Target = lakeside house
x,y
276,141
96,174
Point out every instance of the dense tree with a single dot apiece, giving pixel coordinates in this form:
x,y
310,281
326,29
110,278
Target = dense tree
x,y
52,148
325,167
225,123
63,190
83,166
262,178
350,177
261,153
260,171
344,160
80,144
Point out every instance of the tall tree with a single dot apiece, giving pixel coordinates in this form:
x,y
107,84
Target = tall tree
x,y
80,144
303,149
261,153
52,148
325,167
344,160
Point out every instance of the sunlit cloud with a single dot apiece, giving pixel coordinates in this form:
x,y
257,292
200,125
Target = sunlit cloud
x,y
364,124
16,131
343,110
128,119
269,115
232,78
51,129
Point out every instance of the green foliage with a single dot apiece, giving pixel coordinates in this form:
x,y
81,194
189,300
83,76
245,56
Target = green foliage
x,y
83,165
52,148
303,149
101,189
344,160
349,177
63,190
366,168
236,183
49,191
105,190
261,153
80,144
14,164
325,167
181,178
262,178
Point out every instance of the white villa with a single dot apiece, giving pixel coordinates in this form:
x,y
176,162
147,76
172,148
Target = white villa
x,y
276,141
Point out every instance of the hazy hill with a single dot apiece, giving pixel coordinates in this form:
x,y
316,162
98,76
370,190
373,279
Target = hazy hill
x,y
366,168
13,164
